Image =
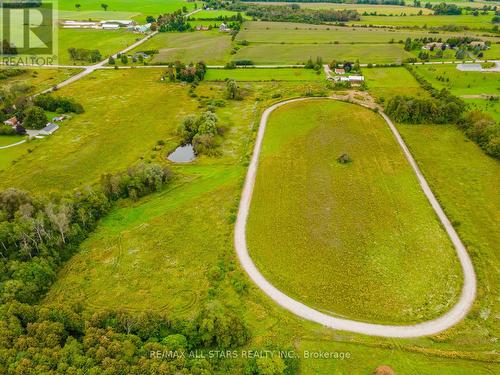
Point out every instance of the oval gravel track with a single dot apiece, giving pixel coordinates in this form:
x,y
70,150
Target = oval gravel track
x,y
450,318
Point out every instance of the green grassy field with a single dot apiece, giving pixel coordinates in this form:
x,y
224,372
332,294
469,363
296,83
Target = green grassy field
x,y
361,8
470,21
464,179
171,250
157,271
297,33
209,46
357,240
458,82
298,54
264,75
107,42
388,82
213,14
127,110
38,80
119,9
490,106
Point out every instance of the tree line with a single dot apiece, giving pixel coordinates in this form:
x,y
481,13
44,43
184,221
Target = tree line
x,y
38,234
445,108
294,13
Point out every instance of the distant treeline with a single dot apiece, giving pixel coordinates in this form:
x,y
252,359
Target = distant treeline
x,y
294,13
377,2
20,4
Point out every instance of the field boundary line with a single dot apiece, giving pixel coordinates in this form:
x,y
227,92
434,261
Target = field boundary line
x,y
434,326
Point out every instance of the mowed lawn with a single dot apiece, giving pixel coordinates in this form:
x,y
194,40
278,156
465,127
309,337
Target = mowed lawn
x,y
383,83
300,53
357,240
126,113
458,82
107,42
250,74
212,47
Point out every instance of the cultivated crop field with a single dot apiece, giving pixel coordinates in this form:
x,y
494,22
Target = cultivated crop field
x,y
311,216
211,47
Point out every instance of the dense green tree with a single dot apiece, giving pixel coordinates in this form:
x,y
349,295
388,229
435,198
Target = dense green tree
x,y
35,118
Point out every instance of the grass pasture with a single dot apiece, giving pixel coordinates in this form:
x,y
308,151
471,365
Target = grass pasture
x,y
481,22
107,42
209,46
39,79
297,33
464,179
126,110
489,106
117,8
357,240
388,82
299,53
459,82
214,14
248,75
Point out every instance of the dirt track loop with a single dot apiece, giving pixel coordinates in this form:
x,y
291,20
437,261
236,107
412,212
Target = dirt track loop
x,y
452,317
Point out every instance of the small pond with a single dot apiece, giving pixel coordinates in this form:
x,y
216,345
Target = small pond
x,y
182,154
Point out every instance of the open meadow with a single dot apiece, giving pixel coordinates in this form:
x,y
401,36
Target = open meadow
x,y
251,74
107,42
384,83
32,81
297,33
298,54
126,110
481,22
111,253
309,218
211,47
121,9
460,82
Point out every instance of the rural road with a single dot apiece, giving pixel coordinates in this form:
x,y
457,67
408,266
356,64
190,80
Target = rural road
x,y
452,317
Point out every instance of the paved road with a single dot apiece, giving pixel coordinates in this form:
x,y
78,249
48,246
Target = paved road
x,y
90,69
452,317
